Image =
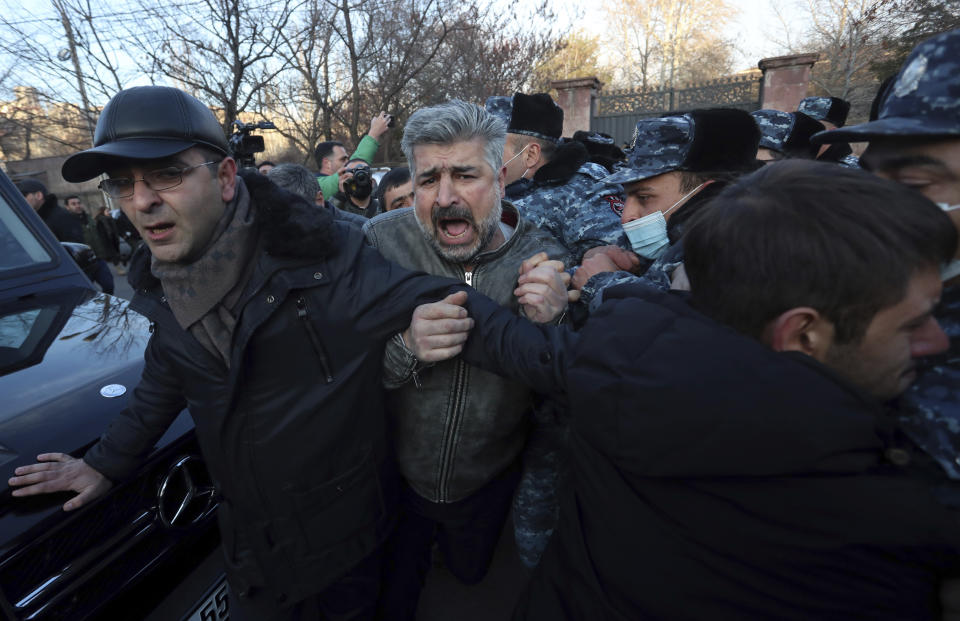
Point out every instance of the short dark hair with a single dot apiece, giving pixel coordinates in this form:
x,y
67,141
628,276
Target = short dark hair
x,y
325,149
265,163
394,177
689,180
803,233
547,148
67,199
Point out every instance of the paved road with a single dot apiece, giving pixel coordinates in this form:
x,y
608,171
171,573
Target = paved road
x,y
121,288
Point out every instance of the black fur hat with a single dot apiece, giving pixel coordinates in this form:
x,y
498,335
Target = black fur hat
x,y
707,140
536,115
798,142
831,109
724,139
788,133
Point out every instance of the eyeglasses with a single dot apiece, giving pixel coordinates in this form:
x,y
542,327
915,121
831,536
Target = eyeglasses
x,y
157,180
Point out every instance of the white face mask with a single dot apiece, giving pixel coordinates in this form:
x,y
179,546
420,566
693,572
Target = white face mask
x,y
951,269
516,155
648,235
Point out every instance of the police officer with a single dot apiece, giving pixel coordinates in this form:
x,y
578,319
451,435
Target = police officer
x,y
550,179
676,165
916,141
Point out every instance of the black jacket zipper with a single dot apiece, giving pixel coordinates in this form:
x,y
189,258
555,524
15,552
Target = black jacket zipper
x,y
314,338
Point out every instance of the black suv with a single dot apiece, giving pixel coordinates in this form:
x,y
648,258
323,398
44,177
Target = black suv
x,y
69,357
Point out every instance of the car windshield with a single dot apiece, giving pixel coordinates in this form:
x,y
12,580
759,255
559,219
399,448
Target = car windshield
x,y
18,246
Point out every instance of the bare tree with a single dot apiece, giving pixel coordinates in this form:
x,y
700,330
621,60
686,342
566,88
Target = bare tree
x,y
849,36
666,43
577,56
221,51
301,99
346,61
54,85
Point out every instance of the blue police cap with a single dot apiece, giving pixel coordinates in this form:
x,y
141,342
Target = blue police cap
x,y
500,106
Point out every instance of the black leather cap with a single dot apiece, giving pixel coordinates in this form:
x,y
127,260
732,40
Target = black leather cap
x,y
145,123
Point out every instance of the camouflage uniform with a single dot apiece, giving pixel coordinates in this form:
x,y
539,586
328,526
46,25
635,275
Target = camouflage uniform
x,y
582,212
931,406
660,145
568,199
657,276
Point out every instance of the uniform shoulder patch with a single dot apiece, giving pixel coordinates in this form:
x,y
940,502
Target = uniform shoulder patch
x,y
615,202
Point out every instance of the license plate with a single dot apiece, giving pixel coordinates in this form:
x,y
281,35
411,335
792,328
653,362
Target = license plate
x,y
214,606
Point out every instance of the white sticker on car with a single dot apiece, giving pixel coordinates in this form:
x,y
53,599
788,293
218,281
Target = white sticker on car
x,y
113,390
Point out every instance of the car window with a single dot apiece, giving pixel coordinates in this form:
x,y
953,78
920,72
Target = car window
x,y
18,246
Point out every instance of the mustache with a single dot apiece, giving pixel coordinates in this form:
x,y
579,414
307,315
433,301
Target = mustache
x,y
454,212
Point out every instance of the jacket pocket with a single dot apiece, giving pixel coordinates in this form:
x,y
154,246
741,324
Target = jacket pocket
x,y
349,505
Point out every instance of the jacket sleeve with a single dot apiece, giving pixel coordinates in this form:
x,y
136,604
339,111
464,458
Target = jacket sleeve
x,y
155,404
329,185
366,149
535,355
382,294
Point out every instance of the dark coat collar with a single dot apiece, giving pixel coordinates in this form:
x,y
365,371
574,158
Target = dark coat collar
x,y
290,227
49,206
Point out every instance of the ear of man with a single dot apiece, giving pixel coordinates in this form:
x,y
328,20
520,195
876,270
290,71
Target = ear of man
x,y
227,178
802,329
531,157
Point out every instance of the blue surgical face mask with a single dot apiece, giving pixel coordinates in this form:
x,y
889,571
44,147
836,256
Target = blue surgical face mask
x,y
951,269
648,235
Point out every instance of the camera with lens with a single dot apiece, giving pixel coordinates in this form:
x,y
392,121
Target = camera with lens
x,y
360,185
244,145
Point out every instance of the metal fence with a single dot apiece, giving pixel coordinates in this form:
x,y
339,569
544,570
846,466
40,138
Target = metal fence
x,y
618,111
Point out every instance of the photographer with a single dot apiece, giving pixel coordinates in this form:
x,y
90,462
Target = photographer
x,y
331,155
356,190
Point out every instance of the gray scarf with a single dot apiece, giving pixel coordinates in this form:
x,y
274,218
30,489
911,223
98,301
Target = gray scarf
x,y
203,295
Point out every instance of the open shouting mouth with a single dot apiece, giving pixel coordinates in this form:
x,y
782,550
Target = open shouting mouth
x,y
454,226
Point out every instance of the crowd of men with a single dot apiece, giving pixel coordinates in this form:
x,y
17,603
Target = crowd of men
x,y
714,375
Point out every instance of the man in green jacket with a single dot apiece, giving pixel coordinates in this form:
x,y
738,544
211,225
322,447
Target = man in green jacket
x,y
332,157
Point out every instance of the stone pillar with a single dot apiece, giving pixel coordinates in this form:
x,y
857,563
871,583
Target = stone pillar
x,y
578,98
785,81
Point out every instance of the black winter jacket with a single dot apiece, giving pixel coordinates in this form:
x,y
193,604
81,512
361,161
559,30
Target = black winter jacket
x,y
293,433
712,478
66,227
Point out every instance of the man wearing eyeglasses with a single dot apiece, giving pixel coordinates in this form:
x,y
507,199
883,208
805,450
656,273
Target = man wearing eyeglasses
x,y
269,324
